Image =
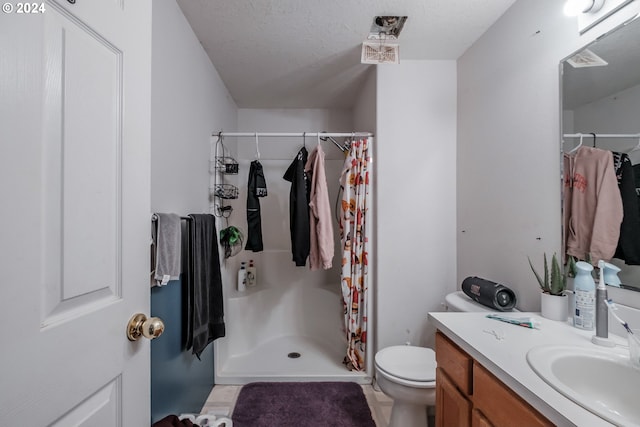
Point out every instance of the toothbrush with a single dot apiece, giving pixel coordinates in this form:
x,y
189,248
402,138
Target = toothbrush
x,y
612,306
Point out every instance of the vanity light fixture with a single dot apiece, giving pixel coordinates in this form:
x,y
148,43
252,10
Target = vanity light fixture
x,y
576,7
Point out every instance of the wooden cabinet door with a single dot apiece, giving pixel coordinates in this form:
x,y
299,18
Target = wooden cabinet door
x,y
452,407
479,420
500,404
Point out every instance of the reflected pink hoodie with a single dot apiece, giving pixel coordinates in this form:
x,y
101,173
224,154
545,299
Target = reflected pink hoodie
x,y
320,221
592,206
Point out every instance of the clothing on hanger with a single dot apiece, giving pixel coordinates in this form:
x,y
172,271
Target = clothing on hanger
x,y
320,221
629,244
257,187
299,196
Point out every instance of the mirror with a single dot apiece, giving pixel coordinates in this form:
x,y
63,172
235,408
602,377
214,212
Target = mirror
x,y
600,87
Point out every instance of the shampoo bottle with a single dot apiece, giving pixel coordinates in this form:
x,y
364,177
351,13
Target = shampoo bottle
x,y
585,292
242,278
252,279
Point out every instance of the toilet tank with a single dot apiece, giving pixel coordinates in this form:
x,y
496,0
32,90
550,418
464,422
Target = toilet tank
x,y
459,301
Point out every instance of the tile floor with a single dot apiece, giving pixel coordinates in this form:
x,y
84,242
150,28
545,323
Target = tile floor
x,y
223,398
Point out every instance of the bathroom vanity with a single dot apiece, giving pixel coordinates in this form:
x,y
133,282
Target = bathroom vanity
x,y
483,377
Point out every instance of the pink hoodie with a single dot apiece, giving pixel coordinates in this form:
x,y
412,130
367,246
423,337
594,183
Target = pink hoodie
x,y
320,221
592,204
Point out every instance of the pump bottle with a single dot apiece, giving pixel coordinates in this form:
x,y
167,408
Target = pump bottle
x,y
242,278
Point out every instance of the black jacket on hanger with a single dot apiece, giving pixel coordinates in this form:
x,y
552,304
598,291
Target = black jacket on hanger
x,y
257,187
629,243
299,208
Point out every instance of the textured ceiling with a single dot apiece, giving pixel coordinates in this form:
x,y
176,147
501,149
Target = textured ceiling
x,y
306,53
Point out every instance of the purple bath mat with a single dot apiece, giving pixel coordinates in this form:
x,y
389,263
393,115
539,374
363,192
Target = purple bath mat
x,y
308,404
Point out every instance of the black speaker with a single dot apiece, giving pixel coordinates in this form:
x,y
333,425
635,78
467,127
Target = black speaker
x,y
488,293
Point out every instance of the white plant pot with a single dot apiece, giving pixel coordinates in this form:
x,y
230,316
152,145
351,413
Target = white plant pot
x,y
554,307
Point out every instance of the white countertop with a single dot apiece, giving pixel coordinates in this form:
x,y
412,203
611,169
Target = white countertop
x,y
506,358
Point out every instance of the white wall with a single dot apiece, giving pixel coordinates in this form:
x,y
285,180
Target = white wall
x,y
617,113
364,110
508,144
415,164
189,102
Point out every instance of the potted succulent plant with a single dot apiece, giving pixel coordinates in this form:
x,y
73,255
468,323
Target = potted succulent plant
x,y
553,299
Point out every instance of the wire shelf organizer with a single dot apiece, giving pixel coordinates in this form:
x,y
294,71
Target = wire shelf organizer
x,y
221,165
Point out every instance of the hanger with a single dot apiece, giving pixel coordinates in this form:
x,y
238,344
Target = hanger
x,y
574,149
304,139
637,147
257,148
594,139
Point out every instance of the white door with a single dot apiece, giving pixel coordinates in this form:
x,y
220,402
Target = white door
x,y
74,212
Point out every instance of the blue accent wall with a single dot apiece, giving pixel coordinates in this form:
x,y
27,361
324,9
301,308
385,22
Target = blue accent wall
x,y
180,383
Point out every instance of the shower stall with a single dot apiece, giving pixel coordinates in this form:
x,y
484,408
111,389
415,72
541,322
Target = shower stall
x,y
289,327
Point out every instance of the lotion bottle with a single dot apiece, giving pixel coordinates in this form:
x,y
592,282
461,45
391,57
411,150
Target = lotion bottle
x,y
242,278
585,296
252,279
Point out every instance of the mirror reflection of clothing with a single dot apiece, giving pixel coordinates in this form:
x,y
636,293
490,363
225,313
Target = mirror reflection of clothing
x,y
592,204
629,244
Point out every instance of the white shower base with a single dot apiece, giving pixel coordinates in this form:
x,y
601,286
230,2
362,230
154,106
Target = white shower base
x,y
266,324
270,362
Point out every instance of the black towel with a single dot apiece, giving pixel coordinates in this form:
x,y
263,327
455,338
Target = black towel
x,y
257,187
205,310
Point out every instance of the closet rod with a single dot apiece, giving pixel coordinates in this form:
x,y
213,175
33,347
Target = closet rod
x,y
602,135
294,134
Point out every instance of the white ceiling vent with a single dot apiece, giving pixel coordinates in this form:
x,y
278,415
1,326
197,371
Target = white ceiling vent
x,y
380,53
586,58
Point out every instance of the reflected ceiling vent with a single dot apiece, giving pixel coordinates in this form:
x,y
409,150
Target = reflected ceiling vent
x,y
381,46
586,58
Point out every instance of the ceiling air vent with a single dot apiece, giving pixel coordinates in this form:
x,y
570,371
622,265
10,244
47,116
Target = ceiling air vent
x,y
586,58
379,53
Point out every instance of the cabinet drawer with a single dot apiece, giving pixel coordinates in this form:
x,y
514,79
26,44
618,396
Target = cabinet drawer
x,y
500,404
455,362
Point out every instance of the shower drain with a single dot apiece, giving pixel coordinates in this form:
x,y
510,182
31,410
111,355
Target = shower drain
x,y
293,355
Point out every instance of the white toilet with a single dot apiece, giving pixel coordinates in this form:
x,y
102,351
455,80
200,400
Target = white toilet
x,y
407,374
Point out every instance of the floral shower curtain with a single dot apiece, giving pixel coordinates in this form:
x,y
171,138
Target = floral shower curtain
x,y
352,221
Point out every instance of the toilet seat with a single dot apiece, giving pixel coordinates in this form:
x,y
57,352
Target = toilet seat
x,y
408,365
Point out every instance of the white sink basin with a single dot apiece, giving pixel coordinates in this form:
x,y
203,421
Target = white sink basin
x,y
601,381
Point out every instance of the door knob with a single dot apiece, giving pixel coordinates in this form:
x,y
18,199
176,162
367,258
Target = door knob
x,y
141,325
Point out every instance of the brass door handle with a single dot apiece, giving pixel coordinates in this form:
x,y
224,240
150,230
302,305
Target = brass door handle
x,y
140,325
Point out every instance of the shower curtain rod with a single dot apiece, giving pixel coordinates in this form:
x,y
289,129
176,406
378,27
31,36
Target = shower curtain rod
x,y
602,135
294,134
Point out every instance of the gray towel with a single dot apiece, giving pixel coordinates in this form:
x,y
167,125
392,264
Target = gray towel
x,y
167,238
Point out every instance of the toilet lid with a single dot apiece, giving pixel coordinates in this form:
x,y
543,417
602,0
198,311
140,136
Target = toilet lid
x,y
408,362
